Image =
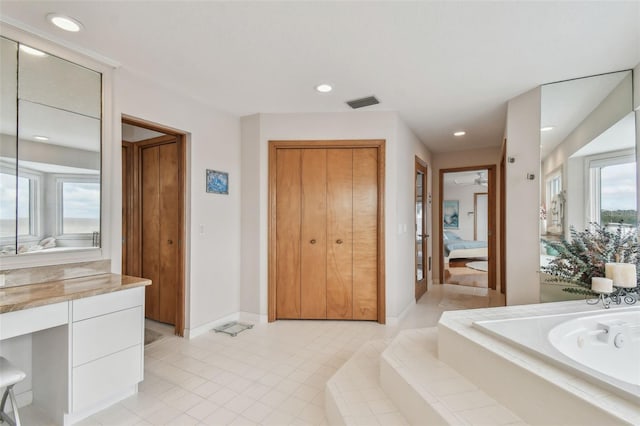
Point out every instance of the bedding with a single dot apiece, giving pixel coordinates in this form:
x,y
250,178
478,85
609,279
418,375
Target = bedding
x,y
455,247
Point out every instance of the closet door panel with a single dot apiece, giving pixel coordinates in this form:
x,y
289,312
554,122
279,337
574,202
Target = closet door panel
x,y
339,233
365,234
313,249
288,233
150,228
168,244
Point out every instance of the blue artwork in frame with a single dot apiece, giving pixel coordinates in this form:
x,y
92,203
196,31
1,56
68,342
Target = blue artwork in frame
x,y
217,182
450,216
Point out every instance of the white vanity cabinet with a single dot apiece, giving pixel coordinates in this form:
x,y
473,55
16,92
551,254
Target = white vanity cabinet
x,y
86,341
107,338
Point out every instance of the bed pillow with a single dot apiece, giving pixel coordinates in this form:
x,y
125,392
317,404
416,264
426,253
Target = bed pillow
x,y
449,235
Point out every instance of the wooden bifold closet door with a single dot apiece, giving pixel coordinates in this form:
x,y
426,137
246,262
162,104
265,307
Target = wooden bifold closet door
x,y
159,229
326,242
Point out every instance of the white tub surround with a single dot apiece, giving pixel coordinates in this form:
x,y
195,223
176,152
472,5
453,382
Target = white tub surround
x,y
538,390
85,344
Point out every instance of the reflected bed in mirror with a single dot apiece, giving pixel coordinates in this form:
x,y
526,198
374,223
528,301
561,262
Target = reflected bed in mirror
x,y
588,152
50,153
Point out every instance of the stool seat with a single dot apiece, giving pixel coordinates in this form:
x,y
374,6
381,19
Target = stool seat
x,y
9,374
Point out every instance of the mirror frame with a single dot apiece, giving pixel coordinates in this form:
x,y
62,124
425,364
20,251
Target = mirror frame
x,y
106,152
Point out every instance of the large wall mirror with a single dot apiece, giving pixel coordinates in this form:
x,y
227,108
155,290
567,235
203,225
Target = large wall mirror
x,y
50,152
588,152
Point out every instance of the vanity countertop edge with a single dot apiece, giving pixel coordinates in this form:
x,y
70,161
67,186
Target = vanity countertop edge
x,y
33,295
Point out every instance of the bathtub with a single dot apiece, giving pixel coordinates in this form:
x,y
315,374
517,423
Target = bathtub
x,y
602,346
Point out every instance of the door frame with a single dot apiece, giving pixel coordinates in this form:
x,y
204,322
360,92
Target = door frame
x,y
274,145
503,220
132,244
491,191
421,166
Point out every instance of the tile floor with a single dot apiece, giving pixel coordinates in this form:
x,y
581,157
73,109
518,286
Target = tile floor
x,y
272,374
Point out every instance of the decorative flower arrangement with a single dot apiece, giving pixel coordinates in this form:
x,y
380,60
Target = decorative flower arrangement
x,y
586,255
543,213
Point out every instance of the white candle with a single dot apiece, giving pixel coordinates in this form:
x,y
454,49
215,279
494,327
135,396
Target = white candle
x,y
608,269
602,285
624,275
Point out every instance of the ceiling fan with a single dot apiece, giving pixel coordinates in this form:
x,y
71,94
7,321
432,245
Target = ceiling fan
x,y
480,179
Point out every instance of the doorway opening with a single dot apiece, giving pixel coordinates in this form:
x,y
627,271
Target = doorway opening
x,y
467,227
153,216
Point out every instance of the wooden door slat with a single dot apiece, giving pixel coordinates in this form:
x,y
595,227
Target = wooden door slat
x,y
288,234
340,233
365,234
313,244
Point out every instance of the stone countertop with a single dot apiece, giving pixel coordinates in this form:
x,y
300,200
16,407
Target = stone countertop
x,y
33,295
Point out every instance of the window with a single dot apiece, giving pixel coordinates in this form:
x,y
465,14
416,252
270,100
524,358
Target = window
x,y
555,203
24,205
79,206
613,191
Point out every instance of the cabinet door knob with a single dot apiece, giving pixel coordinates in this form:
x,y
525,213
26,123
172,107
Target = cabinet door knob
x,y
312,241
339,241
170,241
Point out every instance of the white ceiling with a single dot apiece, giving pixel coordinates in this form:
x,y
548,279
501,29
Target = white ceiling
x,y
443,66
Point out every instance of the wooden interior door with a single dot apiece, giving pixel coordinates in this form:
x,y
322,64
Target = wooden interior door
x,y
326,233
421,228
159,203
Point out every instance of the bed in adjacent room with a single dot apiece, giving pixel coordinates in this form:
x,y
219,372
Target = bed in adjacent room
x,y
456,248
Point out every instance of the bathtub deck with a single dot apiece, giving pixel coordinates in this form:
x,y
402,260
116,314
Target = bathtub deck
x,y
538,392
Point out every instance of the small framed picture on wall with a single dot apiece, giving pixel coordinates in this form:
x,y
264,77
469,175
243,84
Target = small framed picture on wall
x,y
217,182
450,214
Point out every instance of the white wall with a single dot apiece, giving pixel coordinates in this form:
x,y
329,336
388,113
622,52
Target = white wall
x,y
465,196
401,146
523,199
213,257
409,146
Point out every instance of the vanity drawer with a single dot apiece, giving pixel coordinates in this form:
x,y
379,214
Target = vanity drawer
x,y
96,337
31,320
105,303
100,379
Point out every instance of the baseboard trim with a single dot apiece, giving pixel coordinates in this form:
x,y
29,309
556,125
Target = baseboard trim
x,y
393,321
251,317
190,333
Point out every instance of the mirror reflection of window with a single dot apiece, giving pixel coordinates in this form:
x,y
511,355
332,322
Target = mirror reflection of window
x,y
80,207
588,152
613,192
50,159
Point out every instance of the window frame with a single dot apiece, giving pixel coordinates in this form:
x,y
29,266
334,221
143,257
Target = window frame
x,y
60,180
593,190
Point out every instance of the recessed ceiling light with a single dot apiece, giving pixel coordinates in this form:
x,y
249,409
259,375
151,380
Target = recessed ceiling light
x,y
460,133
324,88
41,138
31,51
64,22
546,128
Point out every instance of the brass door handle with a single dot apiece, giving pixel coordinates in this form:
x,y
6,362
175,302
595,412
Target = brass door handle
x,y
313,241
339,241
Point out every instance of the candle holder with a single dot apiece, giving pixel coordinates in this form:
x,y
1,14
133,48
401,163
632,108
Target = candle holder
x,y
605,298
626,294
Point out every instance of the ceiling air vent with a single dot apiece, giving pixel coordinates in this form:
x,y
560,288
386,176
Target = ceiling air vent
x,y
363,102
